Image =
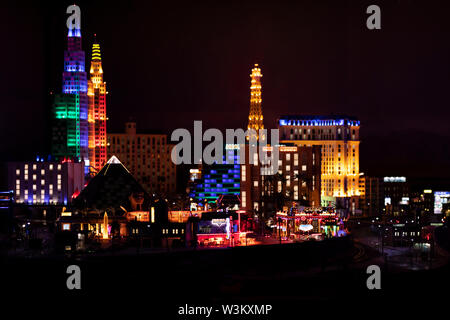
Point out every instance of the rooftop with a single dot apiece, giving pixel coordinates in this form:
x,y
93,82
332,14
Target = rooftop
x,y
318,120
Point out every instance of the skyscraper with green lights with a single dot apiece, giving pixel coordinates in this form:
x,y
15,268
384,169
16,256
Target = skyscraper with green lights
x,y
70,108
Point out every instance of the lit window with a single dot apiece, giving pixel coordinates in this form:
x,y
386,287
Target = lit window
x,y
288,157
243,173
288,168
66,226
244,198
42,182
295,192
34,167
255,183
304,167
255,158
34,187
18,172
34,177
59,167
50,166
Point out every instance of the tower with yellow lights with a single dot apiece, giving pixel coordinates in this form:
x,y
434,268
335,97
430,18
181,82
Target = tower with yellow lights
x,y
255,118
97,111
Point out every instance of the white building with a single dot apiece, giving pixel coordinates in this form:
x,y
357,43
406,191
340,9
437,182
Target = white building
x,y
39,182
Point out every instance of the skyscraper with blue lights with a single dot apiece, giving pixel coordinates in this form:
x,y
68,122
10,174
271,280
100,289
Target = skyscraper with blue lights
x,y
70,108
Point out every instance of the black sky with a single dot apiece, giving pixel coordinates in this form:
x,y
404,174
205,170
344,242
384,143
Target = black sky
x,y
169,63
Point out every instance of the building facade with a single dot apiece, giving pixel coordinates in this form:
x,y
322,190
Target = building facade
x,y
339,139
371,195
97,112
297,180
147,156
42,182
396,195
219,179
70,128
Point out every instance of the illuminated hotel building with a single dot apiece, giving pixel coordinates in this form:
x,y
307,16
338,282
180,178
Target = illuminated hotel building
x,y
147,156
339,139
97,112
70,108
297,179
45,182
255,117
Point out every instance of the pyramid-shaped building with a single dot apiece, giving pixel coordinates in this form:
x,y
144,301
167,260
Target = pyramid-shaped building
x,y
112,189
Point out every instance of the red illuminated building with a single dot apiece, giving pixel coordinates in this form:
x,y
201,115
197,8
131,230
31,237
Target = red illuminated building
x,y
97,112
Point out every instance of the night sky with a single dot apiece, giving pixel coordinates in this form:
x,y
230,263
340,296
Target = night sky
x,y
167,64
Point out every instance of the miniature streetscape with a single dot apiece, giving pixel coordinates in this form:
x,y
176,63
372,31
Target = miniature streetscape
x,y
215,160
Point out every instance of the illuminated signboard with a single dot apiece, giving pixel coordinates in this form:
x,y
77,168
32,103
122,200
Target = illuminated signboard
x,y
440,198
142,216
436,224
394,179
215,226
306,227
218,222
